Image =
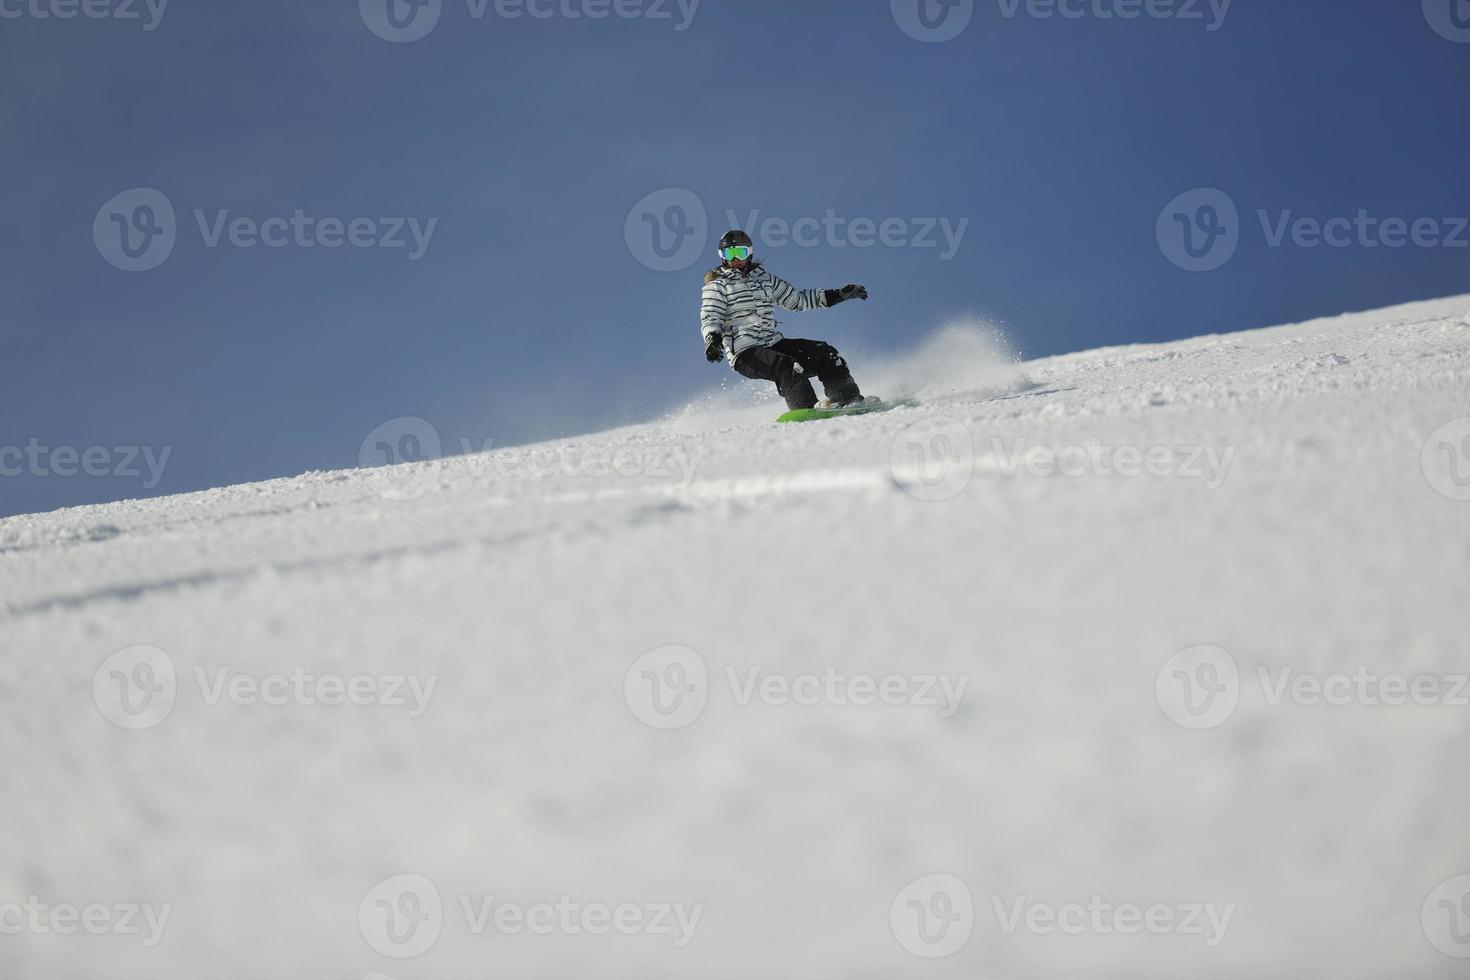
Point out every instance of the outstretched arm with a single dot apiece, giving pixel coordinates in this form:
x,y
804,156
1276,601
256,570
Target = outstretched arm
x,y
797,300
801,300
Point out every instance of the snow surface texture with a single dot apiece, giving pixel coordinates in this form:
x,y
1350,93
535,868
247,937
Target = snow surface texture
x,y
1113,783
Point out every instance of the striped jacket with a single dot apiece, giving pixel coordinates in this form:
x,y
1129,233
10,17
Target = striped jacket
x,y
741,306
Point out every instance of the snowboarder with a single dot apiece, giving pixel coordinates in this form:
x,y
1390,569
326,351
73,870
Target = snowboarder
x,y
738,306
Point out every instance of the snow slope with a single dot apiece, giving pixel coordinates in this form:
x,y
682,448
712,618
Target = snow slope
x,y
565,755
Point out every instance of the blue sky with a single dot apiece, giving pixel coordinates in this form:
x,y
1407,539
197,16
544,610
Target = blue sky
x,y
526,151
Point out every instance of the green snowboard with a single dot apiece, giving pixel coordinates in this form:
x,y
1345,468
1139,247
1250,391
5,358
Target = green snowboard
x,y
814,414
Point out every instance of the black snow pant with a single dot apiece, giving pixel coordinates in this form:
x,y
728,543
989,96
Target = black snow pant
x,y
791,363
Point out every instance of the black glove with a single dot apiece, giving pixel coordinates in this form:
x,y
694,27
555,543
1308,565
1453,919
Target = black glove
x,y
714,349
850,291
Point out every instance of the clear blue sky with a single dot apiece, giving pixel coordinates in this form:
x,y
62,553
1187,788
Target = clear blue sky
x,y
1058,139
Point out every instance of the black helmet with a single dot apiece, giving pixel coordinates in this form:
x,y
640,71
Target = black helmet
x,y
735,237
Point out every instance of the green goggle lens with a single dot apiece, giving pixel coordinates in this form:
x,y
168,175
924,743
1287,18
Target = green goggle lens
x,y
736,253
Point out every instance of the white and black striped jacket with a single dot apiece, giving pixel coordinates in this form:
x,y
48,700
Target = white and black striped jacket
x,y
742,307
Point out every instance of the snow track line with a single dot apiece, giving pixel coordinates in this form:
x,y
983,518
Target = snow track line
x,y
744,487
124,593
710,491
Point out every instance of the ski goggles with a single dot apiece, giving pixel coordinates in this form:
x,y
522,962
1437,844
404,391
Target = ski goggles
x,y
736,253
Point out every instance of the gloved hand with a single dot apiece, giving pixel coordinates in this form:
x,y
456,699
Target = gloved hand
x,y
714,348
850,291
